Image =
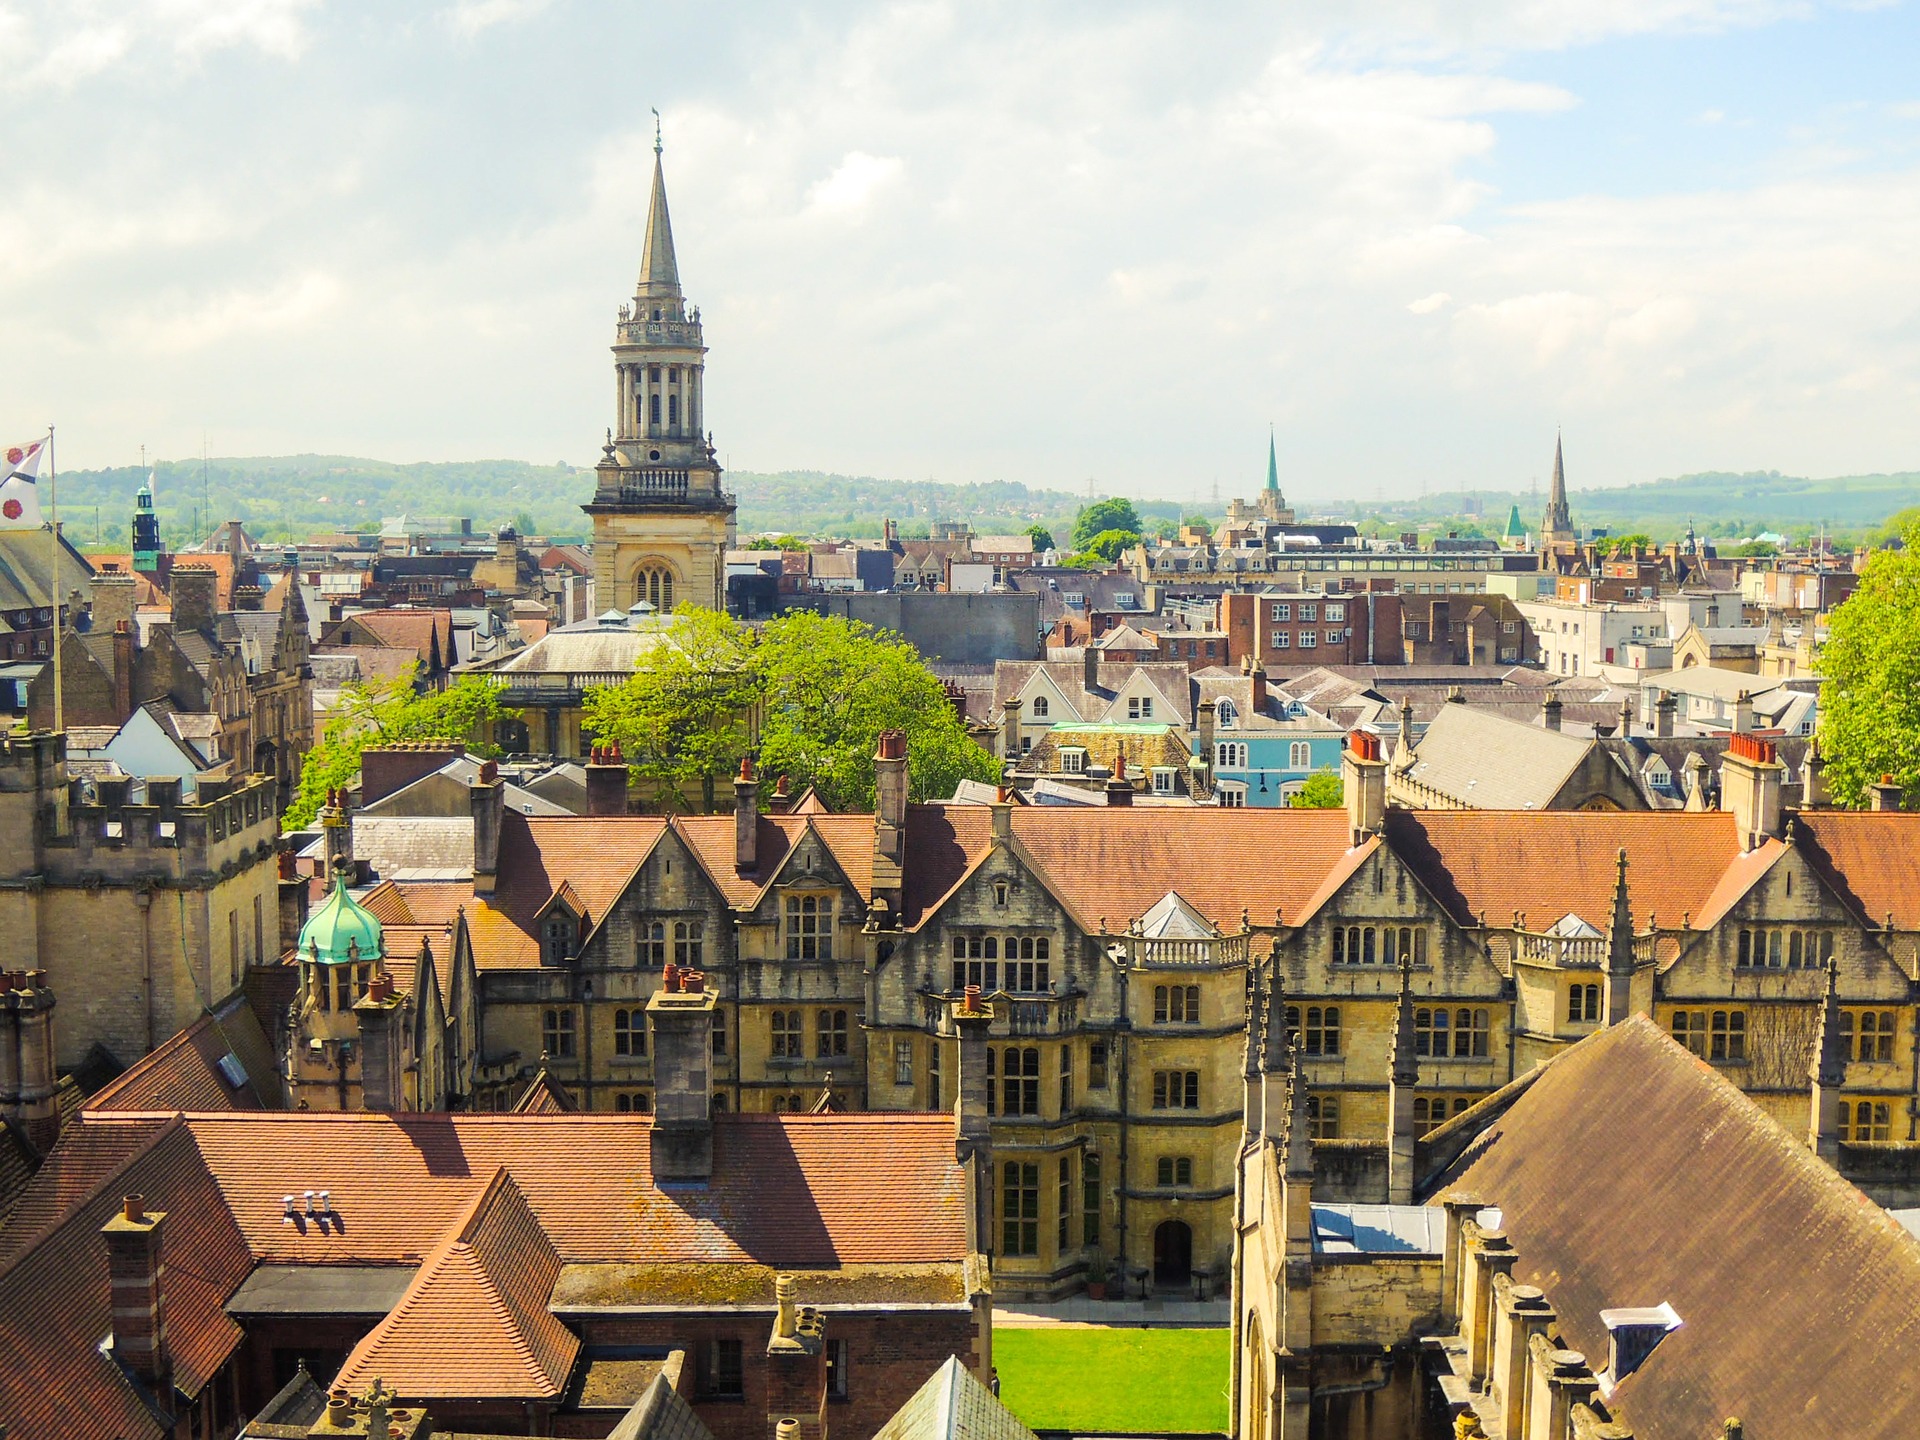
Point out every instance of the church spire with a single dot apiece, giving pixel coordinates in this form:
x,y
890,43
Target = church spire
x,y
1557,524
1273,462
659,273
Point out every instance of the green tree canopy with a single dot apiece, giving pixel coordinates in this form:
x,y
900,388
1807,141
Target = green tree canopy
x,y
681,718
823,687
1627,544
1105,548
1197,522
1870,686
387,712
1323,791
1042,538
1755,550
1103,516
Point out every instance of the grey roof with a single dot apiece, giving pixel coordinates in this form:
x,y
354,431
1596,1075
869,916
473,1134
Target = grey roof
x,y
953,1405
1379,1230
1488,762
582,650
367,1290
1168,677
461,772
25,556
404,842
660,1414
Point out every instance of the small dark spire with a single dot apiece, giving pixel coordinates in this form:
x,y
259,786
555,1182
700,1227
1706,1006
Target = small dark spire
x,y
1830,1051
1620,934
1406,1064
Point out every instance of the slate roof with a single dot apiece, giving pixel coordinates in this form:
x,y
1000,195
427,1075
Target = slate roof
x,y
1630,1174
1168,678
1492,763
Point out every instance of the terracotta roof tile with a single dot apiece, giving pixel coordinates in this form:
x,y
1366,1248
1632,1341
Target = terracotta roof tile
x,y
596,855
1630,1174
55,1300
1118,863
474,1321
710,838
1869,856
944,843
1551,863
184,1074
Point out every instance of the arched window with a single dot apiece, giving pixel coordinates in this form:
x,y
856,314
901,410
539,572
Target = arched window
x,y
1040,710
654,584
1226,715
673,412
653,410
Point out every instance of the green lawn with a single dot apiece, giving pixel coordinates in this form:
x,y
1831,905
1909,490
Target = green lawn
x,y
1114,1380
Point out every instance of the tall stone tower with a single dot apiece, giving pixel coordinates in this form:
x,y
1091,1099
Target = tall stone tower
x,y
1556,527
661,522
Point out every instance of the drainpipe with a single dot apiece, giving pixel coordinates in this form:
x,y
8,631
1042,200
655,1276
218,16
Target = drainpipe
x,y
1125,1036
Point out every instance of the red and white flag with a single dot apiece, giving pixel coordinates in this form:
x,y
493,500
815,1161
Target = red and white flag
x,y
20,489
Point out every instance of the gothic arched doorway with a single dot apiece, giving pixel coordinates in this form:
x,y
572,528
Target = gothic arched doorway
x,y
1173,1254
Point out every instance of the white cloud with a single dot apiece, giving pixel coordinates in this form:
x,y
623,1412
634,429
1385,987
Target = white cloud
x,y
1427,304
853,183
469,18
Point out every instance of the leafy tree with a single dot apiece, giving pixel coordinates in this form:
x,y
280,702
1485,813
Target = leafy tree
x,y
1323,791
1102,517
1197,522
386,712
829,686
1870,690
1755,550
824,687
1897,525
1042,538
1627,544
523,522
1105,548
681,718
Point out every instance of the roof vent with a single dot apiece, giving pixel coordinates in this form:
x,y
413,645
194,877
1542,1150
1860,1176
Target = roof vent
x,y
1632,1335
231,1070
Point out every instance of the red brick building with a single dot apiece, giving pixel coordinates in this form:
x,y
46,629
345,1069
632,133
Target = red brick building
x,y
1356,627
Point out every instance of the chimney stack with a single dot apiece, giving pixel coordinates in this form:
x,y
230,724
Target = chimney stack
x,y
1119,787
135,1274
1549,710
1003,815
1363,777
1813,784
122,671
681,1017
114,593
1090,664
746,819
1257,676
488,798
1010,730
29,1079
606,781
796,1367
890,778
973,1132
194,591
1742,712
1663,712
382,1063
1885,795
1753,789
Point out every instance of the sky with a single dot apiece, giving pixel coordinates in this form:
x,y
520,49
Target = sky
x,y
1105,243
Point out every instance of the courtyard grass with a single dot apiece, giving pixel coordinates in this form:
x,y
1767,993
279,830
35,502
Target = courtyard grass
x,y
1114,1381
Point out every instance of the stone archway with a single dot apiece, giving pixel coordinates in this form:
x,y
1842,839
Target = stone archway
x,y
1173,1254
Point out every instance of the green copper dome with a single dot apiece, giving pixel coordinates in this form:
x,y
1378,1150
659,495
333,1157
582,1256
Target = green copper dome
x,y
341,932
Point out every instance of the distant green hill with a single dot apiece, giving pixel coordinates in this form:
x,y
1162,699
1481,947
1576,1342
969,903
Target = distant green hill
x,y
294,497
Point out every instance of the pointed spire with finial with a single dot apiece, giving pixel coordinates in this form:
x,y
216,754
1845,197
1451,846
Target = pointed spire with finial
x,y
1557,523
1618,991
1830,1051
659,271
1299,1121
1273,462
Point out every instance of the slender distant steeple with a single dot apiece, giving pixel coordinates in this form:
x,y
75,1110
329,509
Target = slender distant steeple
x,y
1556,527
1273,462
659,272
1273,504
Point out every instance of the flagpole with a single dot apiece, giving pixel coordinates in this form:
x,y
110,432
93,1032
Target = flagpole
x,y
53,581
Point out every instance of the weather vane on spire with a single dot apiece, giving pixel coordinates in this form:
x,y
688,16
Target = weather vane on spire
x,y
656,132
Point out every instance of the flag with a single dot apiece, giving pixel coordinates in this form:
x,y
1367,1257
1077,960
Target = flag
x,y
20,489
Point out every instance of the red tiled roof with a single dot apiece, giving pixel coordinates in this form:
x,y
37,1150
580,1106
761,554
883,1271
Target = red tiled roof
x,y
55,1302
415,630
474,1321
1630,1173
1869,856
1551,863
944,843
183,1073
596,856
710,838
1118,863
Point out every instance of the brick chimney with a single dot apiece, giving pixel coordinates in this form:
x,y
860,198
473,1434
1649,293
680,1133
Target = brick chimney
x,y
1090,664
1363,778
488,798
385,769
194,591
113,599
29,1081
1885,795
122,671
1119,787
973,1132
1549,710
1257,675
681,1016
890,779
746,819
136,1276
382,1057
1753,789
606,781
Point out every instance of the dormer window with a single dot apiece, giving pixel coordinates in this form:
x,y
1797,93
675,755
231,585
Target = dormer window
x,y
1226,714
559,933
1073,761
1140,707
1041,710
